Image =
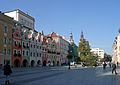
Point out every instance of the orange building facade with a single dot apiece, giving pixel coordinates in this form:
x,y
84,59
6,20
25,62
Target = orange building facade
x,y
17,46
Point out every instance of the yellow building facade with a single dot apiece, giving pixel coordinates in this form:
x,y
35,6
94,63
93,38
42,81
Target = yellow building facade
x,y
6,25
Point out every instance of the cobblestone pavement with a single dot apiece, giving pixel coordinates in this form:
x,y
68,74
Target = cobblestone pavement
x,y
62,76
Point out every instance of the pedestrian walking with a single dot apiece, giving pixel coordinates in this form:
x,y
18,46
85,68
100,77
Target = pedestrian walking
x,y
114,68
117,63
110,64
7,72
75,65
104,65
69,65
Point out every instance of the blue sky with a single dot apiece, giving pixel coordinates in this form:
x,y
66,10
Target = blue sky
x,y
99,19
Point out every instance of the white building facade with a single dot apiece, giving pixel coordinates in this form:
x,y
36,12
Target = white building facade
x,y
98,52
116,49
62,46
22,18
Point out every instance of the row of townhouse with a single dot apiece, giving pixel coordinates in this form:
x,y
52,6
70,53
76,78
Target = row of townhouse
x,y
22,45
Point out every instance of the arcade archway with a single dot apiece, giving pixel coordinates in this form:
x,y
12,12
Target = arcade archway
x,y
25,63
16,63
32,63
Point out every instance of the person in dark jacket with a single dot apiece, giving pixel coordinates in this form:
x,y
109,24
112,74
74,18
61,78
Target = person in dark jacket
x,y
114,68
7,72
104,65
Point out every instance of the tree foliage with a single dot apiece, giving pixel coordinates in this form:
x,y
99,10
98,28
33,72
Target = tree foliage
x,y
107,57
77,59
85,54
84,49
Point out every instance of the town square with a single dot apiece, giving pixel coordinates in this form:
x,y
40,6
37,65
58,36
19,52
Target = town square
x,y
59,42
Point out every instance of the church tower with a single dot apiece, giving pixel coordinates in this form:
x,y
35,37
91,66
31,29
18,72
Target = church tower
x,y
71,38
82,36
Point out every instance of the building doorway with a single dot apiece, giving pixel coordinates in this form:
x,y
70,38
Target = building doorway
x,y
32,63
53,63
38,62
44,63
16,63
57,63
25,63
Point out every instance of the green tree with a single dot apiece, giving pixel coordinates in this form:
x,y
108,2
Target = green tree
x,y
83,49
85,55
77,59
107,57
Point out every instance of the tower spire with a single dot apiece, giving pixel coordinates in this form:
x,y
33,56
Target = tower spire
x,y
82,35
71,37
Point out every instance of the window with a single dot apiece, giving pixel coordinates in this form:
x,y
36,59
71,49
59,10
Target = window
x,y
23,43
37,54
15,43
27,53
19,45
27,44
34,54
9,51
31,53
40,54
15,52
23,52
18,52
22,21
5,40
4,51
40,47
9,41
34,46
5,29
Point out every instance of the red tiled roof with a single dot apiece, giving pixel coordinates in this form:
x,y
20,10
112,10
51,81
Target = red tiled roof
x,y
52,35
